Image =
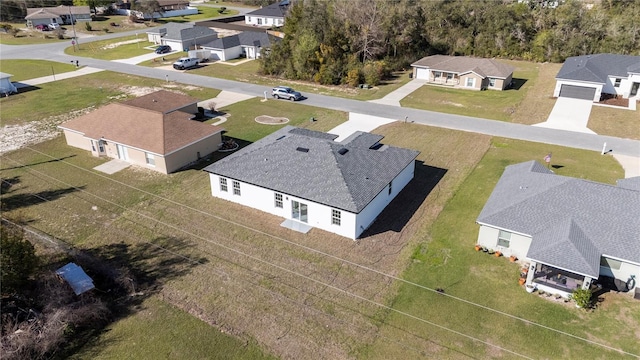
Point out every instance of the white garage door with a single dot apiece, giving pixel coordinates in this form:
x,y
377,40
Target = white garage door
x,y
422,73
577,92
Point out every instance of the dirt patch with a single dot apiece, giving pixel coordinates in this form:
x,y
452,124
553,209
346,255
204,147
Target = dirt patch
x,y
115,45
270,120
613,101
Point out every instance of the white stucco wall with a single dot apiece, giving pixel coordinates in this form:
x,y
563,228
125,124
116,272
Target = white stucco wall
x,y
559,83
624,273
263,21
518,245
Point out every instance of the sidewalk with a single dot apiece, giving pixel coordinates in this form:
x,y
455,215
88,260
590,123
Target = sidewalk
x,y
62,76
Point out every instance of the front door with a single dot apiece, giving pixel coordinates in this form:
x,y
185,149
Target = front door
x,y
122,153
634,89
298,211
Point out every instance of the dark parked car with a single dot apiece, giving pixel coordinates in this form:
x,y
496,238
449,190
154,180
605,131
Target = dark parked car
x,y
162,49
42,27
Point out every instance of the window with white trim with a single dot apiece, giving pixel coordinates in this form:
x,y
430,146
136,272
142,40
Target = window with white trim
x,y
504,239
610,263
236,187
223,184
335,217
278,200
617,83
151,160
471,82
492,82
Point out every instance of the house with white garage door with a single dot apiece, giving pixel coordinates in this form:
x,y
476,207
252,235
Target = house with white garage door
x,y
311,180
248,44
270,15
464,72
594,77
181,36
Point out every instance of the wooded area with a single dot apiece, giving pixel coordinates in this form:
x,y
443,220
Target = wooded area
x,y
349,42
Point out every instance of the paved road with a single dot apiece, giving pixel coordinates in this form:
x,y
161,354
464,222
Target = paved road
x,y
54,52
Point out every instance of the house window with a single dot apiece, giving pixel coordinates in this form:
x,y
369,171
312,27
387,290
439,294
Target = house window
x,y
617,83
449,76
437,74
151,160
259,21
236,187
390,183
278,200
504,239
610,263
93,145
471,82
335,217
223,184
492,82
101,146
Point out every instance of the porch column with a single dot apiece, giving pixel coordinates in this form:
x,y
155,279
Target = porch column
x,y
586,284
531,273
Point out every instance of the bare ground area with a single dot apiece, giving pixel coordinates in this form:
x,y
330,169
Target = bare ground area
x,y
301,296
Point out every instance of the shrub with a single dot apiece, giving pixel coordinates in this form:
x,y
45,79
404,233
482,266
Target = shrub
x,y
87,26
354,77
19,260
222,10
582,297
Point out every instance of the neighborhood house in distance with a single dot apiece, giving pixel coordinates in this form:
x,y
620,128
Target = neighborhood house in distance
x,y
570,231
270,15
313,181
154,131
594,77
57,15
464,72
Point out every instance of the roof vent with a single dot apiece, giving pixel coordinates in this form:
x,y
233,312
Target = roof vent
x,y
343,151
281,137
301,149
375,146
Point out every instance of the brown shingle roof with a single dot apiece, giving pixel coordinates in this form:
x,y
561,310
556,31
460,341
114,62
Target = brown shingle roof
x,y
34,13
464,64
162,101
149,130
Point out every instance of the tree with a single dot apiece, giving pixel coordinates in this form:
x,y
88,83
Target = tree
x,y
148,7
92,4
19,260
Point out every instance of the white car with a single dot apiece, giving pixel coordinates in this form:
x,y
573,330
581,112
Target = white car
x,y
54,26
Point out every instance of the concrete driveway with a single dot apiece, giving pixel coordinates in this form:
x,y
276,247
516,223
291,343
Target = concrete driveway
x,y
569,114
393,98
358,122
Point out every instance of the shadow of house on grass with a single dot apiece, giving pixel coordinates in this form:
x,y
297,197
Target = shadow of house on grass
x,y
517,83
397,214
216,155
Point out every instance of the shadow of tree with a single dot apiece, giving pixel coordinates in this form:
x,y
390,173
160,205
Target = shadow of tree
x,y
17,201
397,214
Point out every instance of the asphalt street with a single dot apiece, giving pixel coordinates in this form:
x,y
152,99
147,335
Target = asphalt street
x,y
55,52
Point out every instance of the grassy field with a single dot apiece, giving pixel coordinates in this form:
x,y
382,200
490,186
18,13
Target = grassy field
x,y
622,123
31,69
445,259
121,48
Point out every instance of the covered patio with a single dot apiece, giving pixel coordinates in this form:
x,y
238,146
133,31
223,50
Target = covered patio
x,y
556,279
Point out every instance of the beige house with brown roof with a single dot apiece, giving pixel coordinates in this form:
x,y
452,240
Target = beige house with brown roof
x,y
464,72
154,131
63,15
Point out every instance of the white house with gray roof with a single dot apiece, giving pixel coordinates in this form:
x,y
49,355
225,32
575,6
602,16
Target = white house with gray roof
x,y
181,36
589,77
247,43
311,180
271,15
570,231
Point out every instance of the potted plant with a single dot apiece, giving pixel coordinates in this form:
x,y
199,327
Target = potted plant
x,y
478,247
582,297
491,251
513,258
498,253
521,281
530,288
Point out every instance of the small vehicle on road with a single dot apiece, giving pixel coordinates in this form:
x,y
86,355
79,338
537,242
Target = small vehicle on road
x,y
163,49
284,92
186,63
42,27
54,26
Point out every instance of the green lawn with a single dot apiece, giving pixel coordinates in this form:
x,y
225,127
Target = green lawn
x,y
445,259
161,331
64,96
31,69
113,49
489,104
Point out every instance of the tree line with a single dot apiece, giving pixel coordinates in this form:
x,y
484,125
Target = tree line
x,y
355,41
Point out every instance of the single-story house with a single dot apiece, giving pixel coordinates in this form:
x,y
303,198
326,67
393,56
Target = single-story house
x,y
464,72
311,180
57,15
169,8
570,231
154,131
248,44
6,86
181,36
589,77
271,15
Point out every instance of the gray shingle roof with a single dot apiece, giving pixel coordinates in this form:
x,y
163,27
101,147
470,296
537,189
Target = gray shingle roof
x,y
572,222
346,176
464,64
274,10
597,68
247,38
182,32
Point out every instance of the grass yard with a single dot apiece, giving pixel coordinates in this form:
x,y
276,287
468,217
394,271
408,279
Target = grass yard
x,y
615,122
538,101
113,49
31,69
445,259
160,330
67,96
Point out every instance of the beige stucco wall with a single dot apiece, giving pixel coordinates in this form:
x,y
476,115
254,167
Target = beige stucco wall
x,y
518,245
180,158
77,140
463,81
